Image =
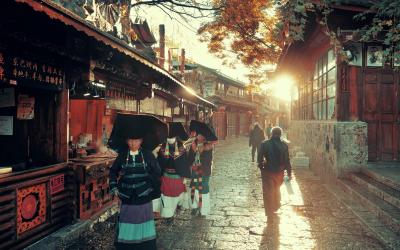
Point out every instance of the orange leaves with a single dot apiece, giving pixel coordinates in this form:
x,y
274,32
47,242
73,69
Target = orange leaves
x,y
245,28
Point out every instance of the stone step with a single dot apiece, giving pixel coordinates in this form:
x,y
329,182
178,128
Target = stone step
x,y
381,190
382,179
380,231
384,211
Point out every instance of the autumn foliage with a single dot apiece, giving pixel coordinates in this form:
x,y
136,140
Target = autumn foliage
x,y
246,29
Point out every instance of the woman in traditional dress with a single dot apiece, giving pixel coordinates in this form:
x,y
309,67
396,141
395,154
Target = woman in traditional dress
x,y
172,159
201,155
138,184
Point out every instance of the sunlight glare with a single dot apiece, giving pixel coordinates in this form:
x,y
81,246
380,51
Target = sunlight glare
x,y
282,87
294,226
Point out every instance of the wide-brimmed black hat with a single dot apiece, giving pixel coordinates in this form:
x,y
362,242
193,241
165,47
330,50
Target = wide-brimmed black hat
x,y
152,130
203,129
176,129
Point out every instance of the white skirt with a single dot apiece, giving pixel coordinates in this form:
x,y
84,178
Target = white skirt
x,y
206,205
157,205
169,205
185,203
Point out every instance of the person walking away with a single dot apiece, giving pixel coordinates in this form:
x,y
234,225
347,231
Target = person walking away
x,y
273,160
255,140
138,185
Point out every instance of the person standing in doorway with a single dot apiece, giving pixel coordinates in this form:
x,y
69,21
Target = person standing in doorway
x,y
273,160
255,140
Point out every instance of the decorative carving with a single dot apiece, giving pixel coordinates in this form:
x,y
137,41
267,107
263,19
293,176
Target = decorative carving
x,y
31,207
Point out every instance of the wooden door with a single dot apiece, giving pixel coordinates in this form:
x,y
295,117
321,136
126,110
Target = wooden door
x,y
381,112
231,124
220,124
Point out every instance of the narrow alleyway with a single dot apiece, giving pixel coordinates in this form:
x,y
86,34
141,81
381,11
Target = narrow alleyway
x,y
311,219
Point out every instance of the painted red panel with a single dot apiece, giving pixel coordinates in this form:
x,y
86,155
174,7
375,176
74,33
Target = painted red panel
x,y
86,117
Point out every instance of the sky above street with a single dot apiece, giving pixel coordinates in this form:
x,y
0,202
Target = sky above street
x,y
184,34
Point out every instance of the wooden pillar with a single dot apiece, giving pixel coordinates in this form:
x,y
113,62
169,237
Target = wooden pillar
x,y
61,125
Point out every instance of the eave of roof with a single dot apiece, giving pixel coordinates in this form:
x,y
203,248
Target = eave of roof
x,y
64,15
223,77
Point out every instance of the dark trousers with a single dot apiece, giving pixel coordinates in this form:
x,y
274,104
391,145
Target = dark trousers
x,y
271,183
253,152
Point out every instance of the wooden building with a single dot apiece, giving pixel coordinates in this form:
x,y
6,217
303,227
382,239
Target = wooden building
x,y
347,111
62,80
235,111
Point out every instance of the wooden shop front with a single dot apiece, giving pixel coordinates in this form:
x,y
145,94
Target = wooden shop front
x,y
36,185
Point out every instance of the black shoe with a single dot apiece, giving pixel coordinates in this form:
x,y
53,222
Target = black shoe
x,y
195,211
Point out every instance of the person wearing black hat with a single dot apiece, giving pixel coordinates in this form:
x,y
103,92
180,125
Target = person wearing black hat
x,y
200,156
139,175
172,158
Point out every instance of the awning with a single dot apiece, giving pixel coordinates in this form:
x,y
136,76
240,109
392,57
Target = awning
x,y
62,14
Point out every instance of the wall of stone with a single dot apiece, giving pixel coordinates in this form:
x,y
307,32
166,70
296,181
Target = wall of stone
x,y
334,148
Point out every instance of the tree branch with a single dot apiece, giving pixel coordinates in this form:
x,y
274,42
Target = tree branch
x,y
177,3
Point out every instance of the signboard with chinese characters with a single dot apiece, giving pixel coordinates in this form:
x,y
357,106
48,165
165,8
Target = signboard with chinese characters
x,y
40,73
18,70
26,107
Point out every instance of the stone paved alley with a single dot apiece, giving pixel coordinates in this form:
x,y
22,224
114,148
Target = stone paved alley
x,y
311,219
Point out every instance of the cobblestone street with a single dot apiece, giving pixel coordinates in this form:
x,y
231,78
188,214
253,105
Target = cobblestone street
x,y
310,219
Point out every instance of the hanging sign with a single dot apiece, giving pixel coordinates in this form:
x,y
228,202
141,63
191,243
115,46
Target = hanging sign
x,y
6,125
17,70
26,107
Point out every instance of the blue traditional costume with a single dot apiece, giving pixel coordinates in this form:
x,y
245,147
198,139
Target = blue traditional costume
x,y
138,185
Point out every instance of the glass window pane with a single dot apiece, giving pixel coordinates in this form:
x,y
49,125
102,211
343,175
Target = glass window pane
x,y
331,90
315,84
331,59
322,110
316,71
319,82
320,67
324,63
315,110
332,76
315,96
323,93
331,108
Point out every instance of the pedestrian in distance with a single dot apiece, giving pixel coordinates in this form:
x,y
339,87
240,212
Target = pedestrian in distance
x,y
255,139
273,160
268,131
